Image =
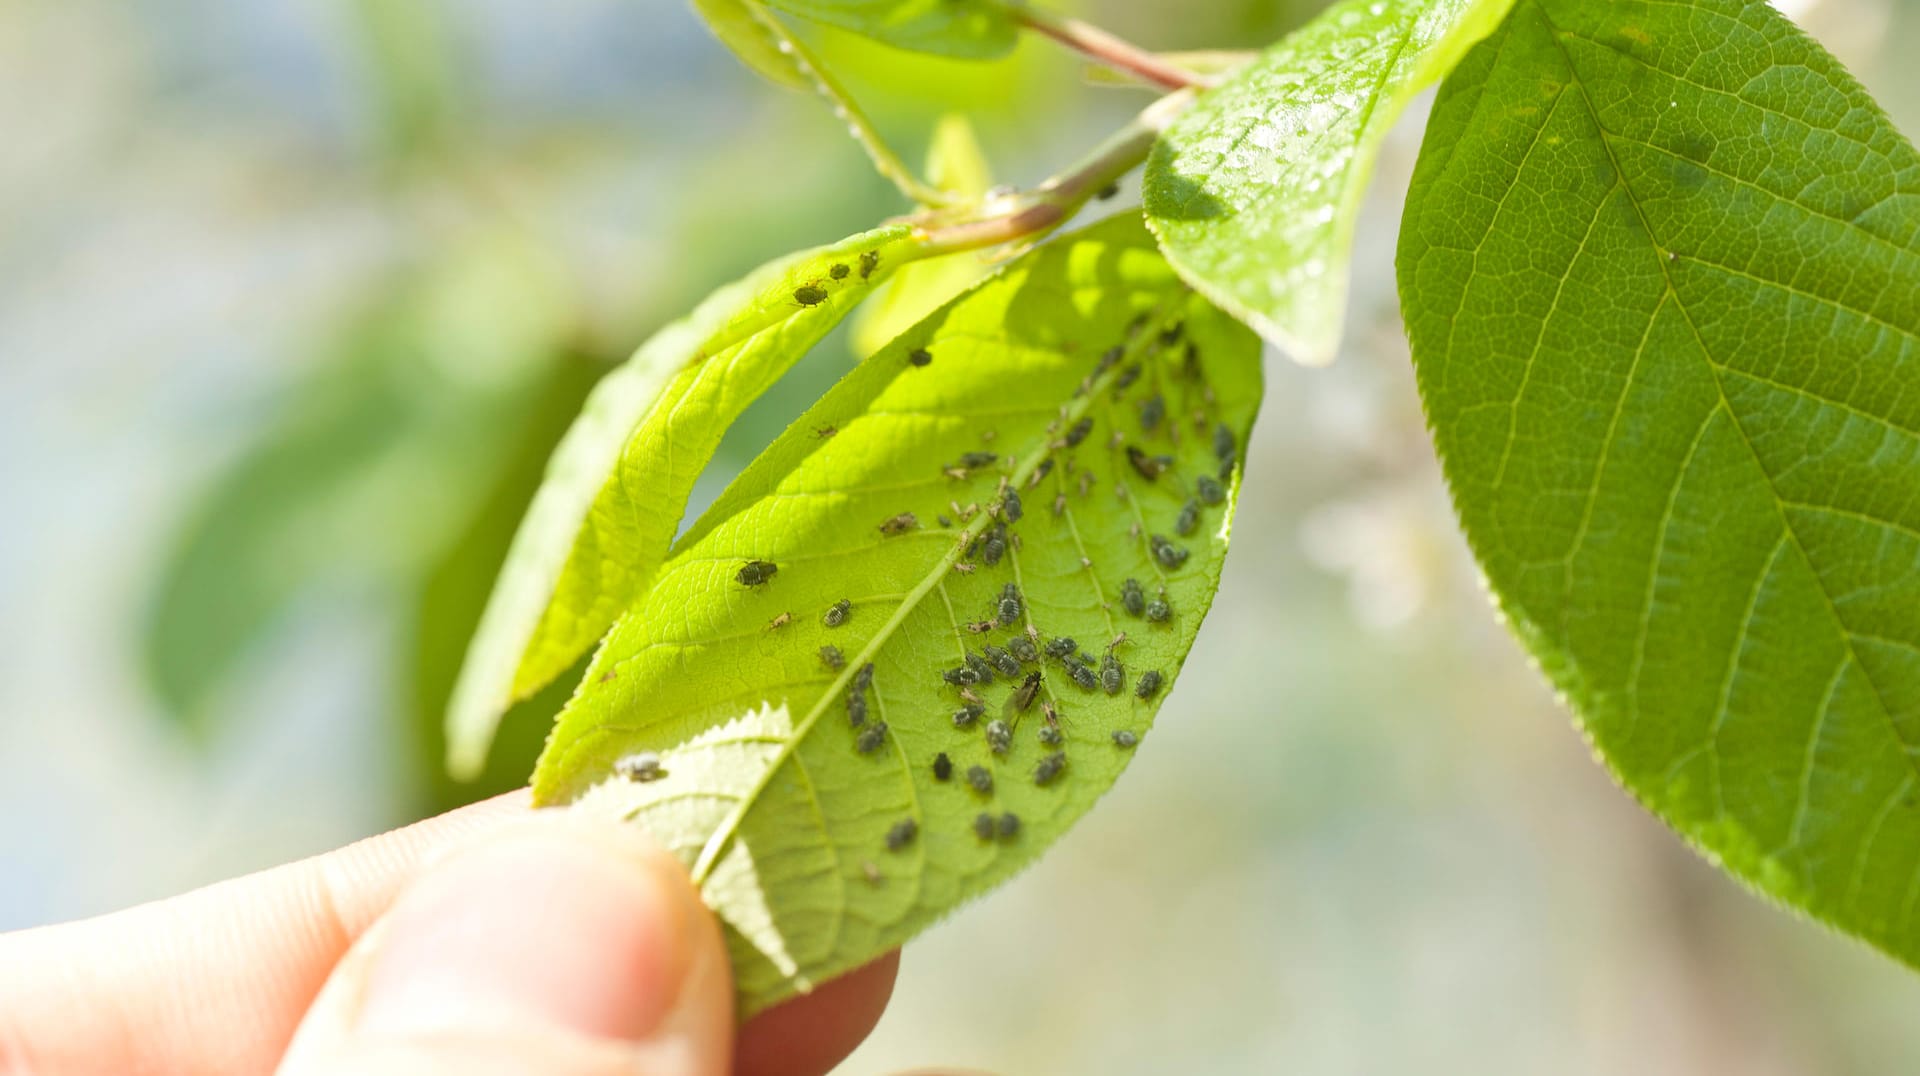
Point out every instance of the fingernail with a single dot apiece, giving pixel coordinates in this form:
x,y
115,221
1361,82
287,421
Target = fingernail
x,y
557,926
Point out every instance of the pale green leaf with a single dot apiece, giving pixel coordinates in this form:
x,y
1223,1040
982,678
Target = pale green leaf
x,y
782,819
615,490
955,164
737,27
963,29
1661,271
1254,191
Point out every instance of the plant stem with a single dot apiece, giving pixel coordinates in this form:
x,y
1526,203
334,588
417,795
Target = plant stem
x,y
1032,213
1105,48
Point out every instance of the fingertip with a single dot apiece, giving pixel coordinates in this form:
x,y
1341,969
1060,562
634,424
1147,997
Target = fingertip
x,y
813,1033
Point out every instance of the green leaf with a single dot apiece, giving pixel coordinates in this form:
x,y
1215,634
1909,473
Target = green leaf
x,y
615,490
1253,192
782,819
955,164
1659,270
963,29
748,36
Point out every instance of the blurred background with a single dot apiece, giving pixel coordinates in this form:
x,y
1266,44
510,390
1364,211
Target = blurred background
x,y
294,300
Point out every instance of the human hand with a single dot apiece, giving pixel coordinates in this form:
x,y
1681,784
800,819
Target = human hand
x,y
493,939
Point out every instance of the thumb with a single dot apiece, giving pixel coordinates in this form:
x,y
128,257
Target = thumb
x,y
562,946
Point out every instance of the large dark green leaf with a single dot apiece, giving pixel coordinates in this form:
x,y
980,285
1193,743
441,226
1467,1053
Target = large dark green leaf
x,y
1661,271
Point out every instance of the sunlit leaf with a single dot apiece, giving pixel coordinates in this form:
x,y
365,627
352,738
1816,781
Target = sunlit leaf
x,y
1661,271
780,804
734,23
969,29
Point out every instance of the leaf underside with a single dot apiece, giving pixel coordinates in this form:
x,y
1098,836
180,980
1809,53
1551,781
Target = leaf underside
x,y
618,483
1254,191
1659,269
783,820
961,29
737,27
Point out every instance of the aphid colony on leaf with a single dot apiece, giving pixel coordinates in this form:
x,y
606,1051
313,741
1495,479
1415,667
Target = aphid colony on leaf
x,y
641,766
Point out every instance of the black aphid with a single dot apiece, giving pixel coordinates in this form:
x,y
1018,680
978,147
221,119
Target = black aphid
x,y
1132,598
967,715
942,767
1009,825
871,738
1028,690
1128,376
1107,191
973,461
1108,358
869,261
1022,647
1224,447
1011,508
899,524
837,613
1049,768
1079,431
1172,333
980,778
839,271
1083,676
640,766
1040,472
831,657
1149,684
1152,412
863,679
902,834
856,709
1164,551
1209,489
983,827
983,672
1149,467
1189,520
824,432
1009,606
994,547
1051,735
1061,647
1086,658
1002,662
1113,676
960,676
1159,611
920,356
809,295
1226,470
980,627
943,521
999,737
755,572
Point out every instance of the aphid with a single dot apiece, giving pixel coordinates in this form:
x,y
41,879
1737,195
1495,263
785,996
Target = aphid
x,y
1040,472
1049,768
1011,508
1169,555
1139,322
839,271
869,261
1152,412
1172,333
831,657
1061,647
1009,825
983,827
980,627
920,356
837,613
1128,375
902,834
899,524
1079,431
1086,658
942,519
1002,662
1226,470
780,621
872,871
642,766
1107,191
1022,647
871,738
1223,443
1051,735
1059,504
755,572
1116,439
958,474
1113,677
959,676
1149,684
1028,690
942,767
610,674
982,672
980,778
1132,598
1210,490
963,567
968,696
863,679
824,432
1052,715
1010,606
999,737
965,716
1190,366
1149,467
1117,640
1189,520
809,295
856,709
994,547
973,461
1082,676
1159,611
1123,738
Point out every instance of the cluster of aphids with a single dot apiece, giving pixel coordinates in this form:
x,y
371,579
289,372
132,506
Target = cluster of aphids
x,y
815,292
